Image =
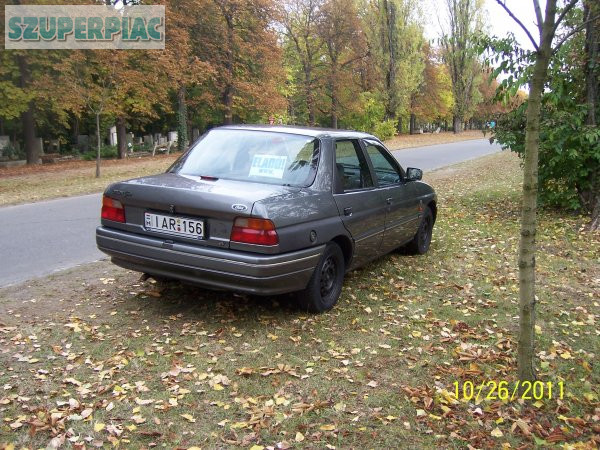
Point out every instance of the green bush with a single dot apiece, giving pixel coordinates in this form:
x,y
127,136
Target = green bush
x,y
385,130
370,118
106,152
11,152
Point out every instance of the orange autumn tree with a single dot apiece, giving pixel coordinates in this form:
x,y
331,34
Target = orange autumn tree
x,y
179,61
345,45
433,99
236,39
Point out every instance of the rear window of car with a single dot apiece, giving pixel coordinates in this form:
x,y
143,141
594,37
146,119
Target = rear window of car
x,y
252,155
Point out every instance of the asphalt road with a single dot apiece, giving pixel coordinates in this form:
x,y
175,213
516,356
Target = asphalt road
x,y
37,239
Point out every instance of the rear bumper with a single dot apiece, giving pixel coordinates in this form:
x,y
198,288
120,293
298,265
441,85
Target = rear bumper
x,y
208,266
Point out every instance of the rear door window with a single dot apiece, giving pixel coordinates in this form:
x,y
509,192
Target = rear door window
x,y
351,166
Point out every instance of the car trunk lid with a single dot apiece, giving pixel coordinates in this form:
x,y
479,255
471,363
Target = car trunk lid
x,y
215,202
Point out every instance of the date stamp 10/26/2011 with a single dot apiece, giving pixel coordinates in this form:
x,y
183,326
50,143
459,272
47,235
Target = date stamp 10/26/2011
x,y
508,391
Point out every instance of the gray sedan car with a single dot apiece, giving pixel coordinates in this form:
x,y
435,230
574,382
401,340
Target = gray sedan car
x,y
269,210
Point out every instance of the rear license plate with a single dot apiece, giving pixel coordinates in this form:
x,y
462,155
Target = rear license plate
x,y
179,226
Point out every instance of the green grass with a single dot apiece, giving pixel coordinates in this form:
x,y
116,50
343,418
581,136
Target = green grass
x,y
370,373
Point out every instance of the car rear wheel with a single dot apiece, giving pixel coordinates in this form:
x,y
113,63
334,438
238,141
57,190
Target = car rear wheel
x,y
325,285
422,239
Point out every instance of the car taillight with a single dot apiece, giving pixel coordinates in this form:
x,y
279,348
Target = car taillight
x,y
113,210
254,231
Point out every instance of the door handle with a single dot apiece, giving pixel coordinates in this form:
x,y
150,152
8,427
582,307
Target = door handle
x,y
388,200
348,211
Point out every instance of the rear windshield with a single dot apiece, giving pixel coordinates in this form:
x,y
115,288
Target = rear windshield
x,y
249,155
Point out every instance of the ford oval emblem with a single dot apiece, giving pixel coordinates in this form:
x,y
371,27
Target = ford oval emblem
x,y
239,207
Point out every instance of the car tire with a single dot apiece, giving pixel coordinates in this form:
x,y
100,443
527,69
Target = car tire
x,y
422,239
325,285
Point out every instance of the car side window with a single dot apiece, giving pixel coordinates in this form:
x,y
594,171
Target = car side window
x,y
387,170
351,166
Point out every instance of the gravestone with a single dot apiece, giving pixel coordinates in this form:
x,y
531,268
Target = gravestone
x,y
129,140
112,136
172,136
39,144
162,140
83,143
54,146
148,140
195,133
139,140
4,144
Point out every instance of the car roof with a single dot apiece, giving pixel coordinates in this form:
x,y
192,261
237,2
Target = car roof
x,y
306,131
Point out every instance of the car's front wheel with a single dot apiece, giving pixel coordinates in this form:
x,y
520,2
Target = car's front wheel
x,y
422,239
325,285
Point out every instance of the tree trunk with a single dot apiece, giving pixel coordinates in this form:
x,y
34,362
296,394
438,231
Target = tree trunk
x,y
389,41
98,145
334,96
229,63
182,133
413,123
526,344
592,54
457,124
74,131
27,117
122,137
310,104
334,116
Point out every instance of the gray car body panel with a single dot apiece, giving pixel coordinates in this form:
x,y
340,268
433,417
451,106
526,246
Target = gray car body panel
x,y
306,218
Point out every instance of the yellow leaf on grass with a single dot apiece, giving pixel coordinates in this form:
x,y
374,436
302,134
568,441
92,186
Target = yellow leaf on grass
x,y
329,427
257,447
565,355
496,432
188,417
299,437
98,427
218,387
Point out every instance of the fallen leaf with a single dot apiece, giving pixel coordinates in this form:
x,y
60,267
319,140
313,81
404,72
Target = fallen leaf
x,y
496,432
188,417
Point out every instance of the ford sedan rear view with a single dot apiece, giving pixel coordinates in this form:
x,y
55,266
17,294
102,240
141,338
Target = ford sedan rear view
x,y
269,210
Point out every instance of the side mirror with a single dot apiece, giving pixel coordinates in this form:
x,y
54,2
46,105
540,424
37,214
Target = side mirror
x,y
414,174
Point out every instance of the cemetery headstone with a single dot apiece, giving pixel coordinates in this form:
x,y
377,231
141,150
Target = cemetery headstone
x,y
4,144
83,143
112,136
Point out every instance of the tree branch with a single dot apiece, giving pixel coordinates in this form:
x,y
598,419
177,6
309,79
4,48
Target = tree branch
x,y
538,15
510,13
577,29
564,12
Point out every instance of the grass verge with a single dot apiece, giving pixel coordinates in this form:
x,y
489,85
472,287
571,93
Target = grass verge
x,y
93,357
